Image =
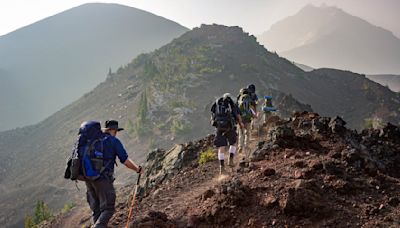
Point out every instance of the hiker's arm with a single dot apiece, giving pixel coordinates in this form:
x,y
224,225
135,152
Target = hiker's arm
x,y
131,165
123,157
254,111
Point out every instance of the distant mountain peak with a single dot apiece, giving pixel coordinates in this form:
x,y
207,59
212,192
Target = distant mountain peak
x,y
323,11
324,6
74,48
327,36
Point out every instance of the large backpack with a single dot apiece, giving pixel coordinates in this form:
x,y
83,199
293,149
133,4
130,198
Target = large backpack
x,y
223,115
268,106
86,161
244,104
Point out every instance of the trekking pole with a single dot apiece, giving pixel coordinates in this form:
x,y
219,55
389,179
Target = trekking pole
x,y
133,201
258,132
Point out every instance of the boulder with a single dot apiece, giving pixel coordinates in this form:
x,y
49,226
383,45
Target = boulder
x,y
269,172
320,125
155,219
304,200
260,153
337,125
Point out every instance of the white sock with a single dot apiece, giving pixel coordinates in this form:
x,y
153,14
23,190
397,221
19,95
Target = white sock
x,y
221,155
232,149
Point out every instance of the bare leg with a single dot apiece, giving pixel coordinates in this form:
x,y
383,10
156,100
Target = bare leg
x,y
232,152
221,158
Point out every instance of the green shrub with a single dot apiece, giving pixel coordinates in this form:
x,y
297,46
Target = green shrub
x,y
207,156
374,123
67,207
42,213
179,127
29,222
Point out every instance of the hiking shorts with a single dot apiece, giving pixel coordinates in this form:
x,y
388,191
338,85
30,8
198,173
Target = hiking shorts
x,y
225,138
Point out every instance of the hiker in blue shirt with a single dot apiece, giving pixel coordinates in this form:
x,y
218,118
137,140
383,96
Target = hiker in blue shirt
x,y
100,192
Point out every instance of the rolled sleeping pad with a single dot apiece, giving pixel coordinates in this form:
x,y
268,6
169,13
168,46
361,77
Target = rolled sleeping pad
x,y
269,109
267,97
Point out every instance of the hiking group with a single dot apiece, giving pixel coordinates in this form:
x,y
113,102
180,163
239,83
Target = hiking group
x,y
96,150
232,119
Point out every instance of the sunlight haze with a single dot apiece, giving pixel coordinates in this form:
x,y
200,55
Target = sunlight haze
x,y
254,16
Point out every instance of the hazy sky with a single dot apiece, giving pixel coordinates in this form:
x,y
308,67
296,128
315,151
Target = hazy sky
x,y
255,16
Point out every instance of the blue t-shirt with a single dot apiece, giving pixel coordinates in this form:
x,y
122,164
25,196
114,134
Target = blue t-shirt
x,y
111,148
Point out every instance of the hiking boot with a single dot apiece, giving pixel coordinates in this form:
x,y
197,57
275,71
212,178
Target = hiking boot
x,y
222,170
230,161
221,167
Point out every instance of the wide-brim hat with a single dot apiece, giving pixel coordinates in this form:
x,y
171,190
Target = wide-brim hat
x,y
112,125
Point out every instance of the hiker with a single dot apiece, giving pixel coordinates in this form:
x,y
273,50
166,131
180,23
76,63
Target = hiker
x,y
100,191
247,113
254,102
267,108
225,114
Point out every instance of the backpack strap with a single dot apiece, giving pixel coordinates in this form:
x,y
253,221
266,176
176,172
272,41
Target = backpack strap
x,y
216,105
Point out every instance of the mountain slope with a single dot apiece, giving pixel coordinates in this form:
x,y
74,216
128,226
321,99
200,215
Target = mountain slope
x,y
392,81
329,37
164,97
56,60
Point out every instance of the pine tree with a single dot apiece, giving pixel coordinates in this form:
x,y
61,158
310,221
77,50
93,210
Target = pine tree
x,y
42,212
130,127
141,114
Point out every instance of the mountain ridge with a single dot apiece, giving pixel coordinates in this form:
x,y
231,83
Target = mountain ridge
x,y
392,81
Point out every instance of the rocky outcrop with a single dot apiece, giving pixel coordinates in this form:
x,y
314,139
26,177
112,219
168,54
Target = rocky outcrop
x,y
161,164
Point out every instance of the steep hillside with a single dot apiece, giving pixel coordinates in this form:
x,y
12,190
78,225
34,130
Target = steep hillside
x,y
329,37
355,96
164,97
389,80
309,171
56,60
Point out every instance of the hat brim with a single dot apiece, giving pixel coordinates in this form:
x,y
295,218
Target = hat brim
x,y
117,129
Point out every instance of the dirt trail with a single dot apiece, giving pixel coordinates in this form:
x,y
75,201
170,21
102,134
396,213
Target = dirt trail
x,y
189,186
78,217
